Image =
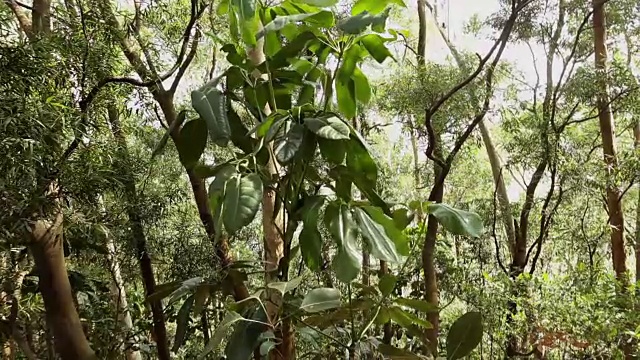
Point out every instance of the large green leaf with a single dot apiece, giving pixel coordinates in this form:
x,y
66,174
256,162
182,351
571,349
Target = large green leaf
x,y
319,3
360,22
374,44
210,104
386,284
393,353
193,140
374,6
464,335
321,299
242,199
333,151
280,22
182,323
340,222
244,12
285,286
345,85
223,174
395,234
310,238
417,304
362,87
381,246
406,319
287,147
361,164
246,335
458,222
328,127
221,330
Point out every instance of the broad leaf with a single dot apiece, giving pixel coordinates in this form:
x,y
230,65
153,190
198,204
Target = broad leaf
x,y
221,330
381,246
406,319
266,346
193,140
185,287
402,218
242,199
386,284
458,222
360,164
345,85
321,299
360,22
374,6
361,83
210,104
288,146
221,176
182,323
395,234
333,151
417,304
331,128
464,335
318,3
246,336
310,238
285,286
280,22
347,262
374,44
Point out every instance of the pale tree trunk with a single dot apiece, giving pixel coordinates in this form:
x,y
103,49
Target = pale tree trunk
x,y
119,294
273,228
12,291
607,132
139,237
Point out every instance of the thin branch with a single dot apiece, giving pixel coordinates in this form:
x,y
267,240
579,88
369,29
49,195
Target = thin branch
x,y
187,61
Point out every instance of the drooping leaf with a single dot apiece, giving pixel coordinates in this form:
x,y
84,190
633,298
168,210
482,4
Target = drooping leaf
x,y
360,164
393,353
464,335
331,128
381,246
221,176
402,218
246,335
210,104
266,347
360,22
288,146
318,3
374,44
361,83
333,151
310,238
345,85
285,286
386,284
374,6
163,290
323,18
458,222
395,234
417,304
185,287
406,319
247,21
182,323
347,262
193,140
321,299
242,199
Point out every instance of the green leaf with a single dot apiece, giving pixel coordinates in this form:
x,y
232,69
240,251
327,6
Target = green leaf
x,y
345,85
285,286
386,284
395,234
310,238
393,353
210,104
185,287
458,222
163,141
246,335
321,299
416,304
163,290
358,23
280,22
402,218
333,151
193,140
242,199
374,44
266,346
362,87
361,164
346,263
287,148
204,171
381,246
318,3
464,335
246,9
330,127
182,323
374,6
224,173
406,319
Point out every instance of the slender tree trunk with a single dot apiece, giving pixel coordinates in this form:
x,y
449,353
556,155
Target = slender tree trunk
x,y
636,134
387,331
63,320
139,237
119,295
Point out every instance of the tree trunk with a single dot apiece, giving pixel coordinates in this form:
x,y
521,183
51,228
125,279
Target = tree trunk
x,y
139,237
636,134
387,331
63,320
119,295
